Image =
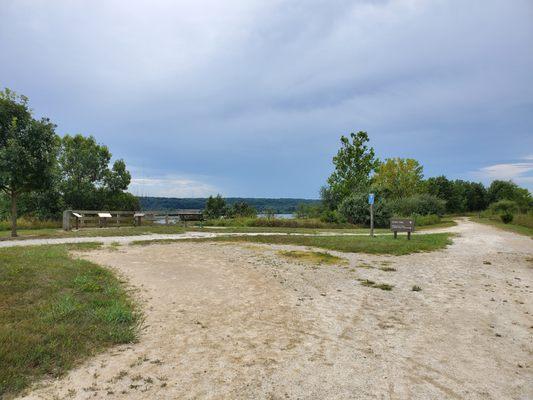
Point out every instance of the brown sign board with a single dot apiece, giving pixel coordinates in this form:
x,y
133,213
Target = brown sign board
x,y
402,225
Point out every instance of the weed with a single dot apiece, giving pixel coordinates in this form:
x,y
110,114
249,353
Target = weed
x,y
313,257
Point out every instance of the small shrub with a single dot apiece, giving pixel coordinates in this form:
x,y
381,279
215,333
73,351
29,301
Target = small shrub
x,y
416,288
424,220
504,207
507,218
421,204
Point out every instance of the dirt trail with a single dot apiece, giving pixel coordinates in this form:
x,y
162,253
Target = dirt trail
x,y
229,321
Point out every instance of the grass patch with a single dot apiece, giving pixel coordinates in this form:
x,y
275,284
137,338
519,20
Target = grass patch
x,y
92,232
347,244
372,284
416,288
313,257
522,223
56,311
387,269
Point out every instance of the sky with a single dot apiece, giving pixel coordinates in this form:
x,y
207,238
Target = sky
x,y
249,98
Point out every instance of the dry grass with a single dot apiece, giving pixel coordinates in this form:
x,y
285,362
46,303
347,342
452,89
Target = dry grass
x,y
313,257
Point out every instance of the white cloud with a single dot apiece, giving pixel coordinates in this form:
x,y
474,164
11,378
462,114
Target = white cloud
x,y
170,186
517,172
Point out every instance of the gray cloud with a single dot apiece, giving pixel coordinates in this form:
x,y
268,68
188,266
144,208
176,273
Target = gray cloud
x,y
253,96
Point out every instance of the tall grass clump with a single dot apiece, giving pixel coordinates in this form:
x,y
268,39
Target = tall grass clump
x,y
28,223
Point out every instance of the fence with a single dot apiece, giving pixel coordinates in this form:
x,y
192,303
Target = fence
x,y
77,219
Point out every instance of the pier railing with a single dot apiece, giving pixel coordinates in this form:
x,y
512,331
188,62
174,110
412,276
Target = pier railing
x,y
78,219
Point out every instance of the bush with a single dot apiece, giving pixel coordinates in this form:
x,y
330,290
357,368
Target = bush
x,y
424,220
26,223
277,223
356,210
504,207
506,218
421,204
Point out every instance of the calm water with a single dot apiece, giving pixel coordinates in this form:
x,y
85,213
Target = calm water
x,y
280,216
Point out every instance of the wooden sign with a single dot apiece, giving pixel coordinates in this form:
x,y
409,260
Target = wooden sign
x,y
402,225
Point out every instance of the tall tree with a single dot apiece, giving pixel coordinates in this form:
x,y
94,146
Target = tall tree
x,y
28,149
87,181
399,177
354,164
215,207
508,190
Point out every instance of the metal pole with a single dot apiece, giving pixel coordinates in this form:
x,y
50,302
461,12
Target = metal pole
x,y
372,220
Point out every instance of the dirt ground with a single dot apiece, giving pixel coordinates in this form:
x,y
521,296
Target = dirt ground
x,y
230,321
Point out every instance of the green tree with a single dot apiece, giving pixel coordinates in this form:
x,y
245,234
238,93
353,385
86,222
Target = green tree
x,y
354,163
508,190
355,209
87,182
215,207
399,177
28,149
84,166
242,209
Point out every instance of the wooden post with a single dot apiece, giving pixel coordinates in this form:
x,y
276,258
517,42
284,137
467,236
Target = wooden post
x,y
408,235
395,234
372,220
66,220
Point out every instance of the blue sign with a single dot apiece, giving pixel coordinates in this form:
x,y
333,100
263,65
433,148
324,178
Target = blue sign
x,y
371,198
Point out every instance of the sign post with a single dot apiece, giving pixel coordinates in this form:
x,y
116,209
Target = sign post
x,y
371,202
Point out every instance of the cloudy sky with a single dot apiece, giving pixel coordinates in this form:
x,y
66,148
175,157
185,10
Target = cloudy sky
x,y
249,98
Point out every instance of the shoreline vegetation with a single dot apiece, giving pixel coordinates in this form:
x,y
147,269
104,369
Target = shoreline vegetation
x,y
50,229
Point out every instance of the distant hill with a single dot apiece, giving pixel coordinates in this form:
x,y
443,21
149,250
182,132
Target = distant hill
x,y
281,206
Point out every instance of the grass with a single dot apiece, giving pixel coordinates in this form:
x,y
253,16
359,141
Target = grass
x,y
348,244
91,232
55,311
522,223
313,257
372,284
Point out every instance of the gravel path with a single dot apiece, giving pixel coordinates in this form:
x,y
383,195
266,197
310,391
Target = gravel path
x,y
239,321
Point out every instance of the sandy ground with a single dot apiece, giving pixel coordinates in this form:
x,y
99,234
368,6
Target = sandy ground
x,y
229,321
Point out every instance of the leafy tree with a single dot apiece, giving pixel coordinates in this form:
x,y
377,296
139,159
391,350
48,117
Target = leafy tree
x,y
242,209
354,164
474,195
460,196
308,210
355,209
420,204
84,166
399,177
28,149
444,189
87,182
215,207
507,190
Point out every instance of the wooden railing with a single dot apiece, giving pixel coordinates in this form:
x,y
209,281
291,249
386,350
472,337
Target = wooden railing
x,y
77,219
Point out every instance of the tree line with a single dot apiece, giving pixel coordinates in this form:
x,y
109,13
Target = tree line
x,y
41,173
401,189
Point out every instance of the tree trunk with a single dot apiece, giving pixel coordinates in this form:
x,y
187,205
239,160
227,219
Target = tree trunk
x,y
13,215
